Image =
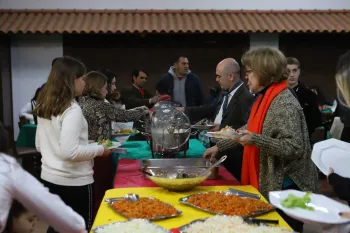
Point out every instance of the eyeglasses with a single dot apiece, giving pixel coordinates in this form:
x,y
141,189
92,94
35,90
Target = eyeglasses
x,y
248,71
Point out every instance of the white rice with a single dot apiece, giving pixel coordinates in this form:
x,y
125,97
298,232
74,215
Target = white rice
x,y
227,224
133,226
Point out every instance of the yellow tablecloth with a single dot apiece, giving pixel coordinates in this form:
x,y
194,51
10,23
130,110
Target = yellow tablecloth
x,y
107,215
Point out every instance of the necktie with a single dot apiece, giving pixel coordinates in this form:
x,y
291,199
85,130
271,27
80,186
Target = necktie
x,y
224,105
142,92
226,96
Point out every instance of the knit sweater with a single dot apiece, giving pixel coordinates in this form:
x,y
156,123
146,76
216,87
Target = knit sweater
x,y
284,146
100,114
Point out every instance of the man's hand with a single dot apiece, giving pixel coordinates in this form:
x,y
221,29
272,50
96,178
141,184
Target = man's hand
x,y
211,153
181,109
154,100
216,128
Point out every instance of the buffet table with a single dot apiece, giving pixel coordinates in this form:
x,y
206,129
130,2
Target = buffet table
x,y
106,215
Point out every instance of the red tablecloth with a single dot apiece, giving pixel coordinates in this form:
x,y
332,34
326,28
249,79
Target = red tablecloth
x,y
128,175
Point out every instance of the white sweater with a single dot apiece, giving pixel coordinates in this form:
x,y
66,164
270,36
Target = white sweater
x,y
67,159
15,183
26,112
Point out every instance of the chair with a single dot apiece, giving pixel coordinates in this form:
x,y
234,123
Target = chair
x,y
30,157
337,128
22,121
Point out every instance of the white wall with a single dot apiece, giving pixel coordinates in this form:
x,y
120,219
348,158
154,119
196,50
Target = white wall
x,y
176,4
31,57
264,39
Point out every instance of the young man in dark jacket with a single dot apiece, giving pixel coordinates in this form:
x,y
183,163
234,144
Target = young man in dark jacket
x,y
307,98
185,87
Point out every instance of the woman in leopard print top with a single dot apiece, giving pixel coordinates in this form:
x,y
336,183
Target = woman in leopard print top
x,y
98,112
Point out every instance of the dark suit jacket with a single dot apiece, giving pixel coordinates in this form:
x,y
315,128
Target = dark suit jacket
x,y
308,101
193,89
132,97
237,112
236,117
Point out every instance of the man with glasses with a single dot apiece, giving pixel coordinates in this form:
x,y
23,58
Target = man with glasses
x,y
307,98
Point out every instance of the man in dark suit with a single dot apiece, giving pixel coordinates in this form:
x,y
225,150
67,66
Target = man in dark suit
x,y
229,109
135,95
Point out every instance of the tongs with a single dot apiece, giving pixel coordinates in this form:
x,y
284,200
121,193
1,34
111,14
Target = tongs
x,y
243,194
260,221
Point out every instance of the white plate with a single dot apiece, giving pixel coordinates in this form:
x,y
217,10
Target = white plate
x,y
202,127
326,210
114,146
224,135
332,153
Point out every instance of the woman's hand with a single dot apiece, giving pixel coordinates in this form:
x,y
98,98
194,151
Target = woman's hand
x,y
345,214
106,151
331,170
211,153
245,138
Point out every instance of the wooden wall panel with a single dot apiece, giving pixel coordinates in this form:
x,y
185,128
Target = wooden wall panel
x,y
155,53
318,55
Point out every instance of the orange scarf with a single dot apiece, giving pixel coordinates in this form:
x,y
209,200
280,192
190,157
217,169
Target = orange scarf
x,y
250,165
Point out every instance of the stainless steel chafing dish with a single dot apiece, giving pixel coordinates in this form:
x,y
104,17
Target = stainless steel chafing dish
x,y
180,164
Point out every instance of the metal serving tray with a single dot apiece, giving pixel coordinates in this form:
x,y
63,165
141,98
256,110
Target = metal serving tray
x,y
181,164
110,202
99,229
184,200
183,228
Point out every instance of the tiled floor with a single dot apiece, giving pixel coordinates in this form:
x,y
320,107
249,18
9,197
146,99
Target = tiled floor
x,y
308,228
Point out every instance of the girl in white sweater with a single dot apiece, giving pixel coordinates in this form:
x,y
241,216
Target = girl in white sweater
x,y
62,138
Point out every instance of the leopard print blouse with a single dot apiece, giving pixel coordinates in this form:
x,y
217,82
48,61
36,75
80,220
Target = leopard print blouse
x,y
99,114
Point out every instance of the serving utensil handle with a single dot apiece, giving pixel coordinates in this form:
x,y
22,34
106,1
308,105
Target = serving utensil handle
x,y
222,159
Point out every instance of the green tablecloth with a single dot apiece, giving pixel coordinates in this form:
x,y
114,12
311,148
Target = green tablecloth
x,y
141,150
26,136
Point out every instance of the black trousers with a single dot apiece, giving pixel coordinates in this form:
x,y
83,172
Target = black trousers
x,y
79,198
293,223
234,160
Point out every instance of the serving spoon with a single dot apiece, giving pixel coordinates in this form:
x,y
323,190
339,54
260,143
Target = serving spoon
x,y
222,159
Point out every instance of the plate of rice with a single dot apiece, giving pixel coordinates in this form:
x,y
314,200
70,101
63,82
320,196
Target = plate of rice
x,y
228,224
132,226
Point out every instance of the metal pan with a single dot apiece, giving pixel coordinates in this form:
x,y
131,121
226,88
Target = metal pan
x,y
99,229
110,202
183,228
184,200
180,164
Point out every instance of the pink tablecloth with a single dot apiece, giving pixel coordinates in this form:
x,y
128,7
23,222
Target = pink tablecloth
x,y
128,175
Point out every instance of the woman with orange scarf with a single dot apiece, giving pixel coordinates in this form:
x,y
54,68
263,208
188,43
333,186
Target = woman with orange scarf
x,y
276,143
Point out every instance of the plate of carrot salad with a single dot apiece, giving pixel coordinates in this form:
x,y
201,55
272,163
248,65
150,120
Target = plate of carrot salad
x,y
145,208
227,204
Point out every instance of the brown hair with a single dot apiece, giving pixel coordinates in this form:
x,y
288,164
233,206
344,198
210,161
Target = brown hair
x,y
269,64
342,78
59,90
16,210
293,61
93,83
